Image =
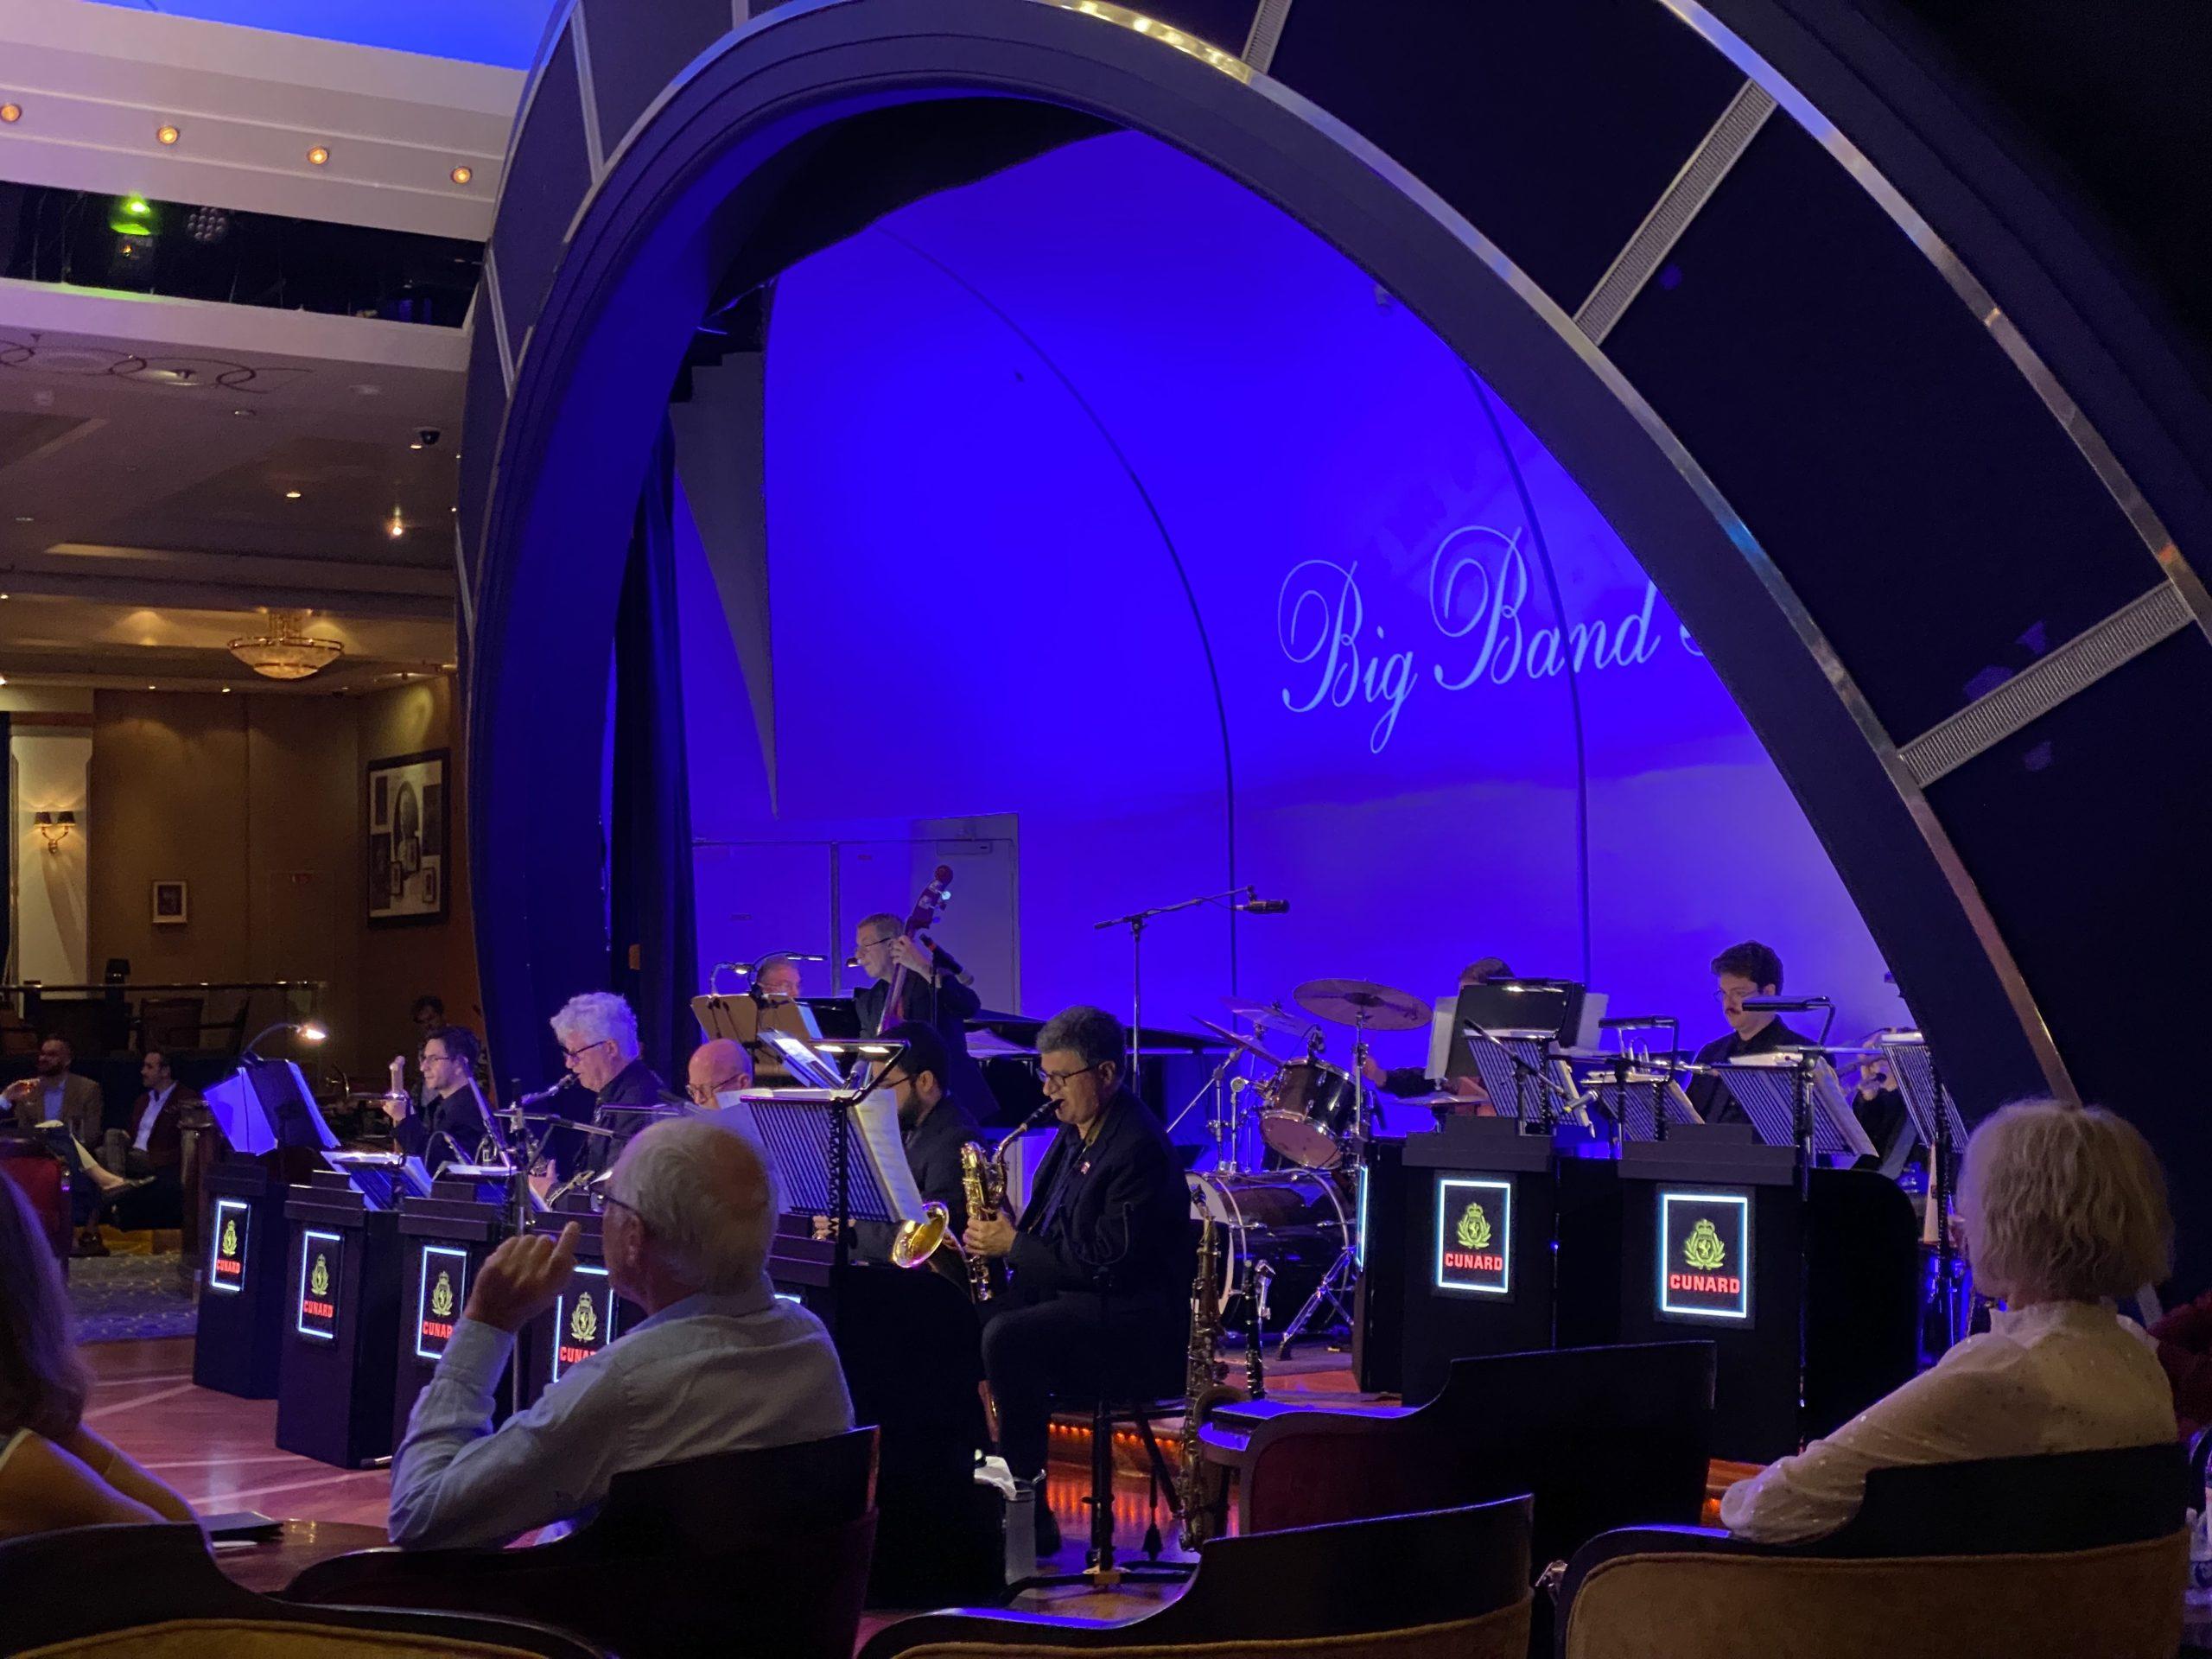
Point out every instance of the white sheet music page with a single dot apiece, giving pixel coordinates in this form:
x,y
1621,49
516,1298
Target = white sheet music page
x,y
876,1118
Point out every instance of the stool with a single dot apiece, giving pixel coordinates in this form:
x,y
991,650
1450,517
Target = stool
x,y
1100,1570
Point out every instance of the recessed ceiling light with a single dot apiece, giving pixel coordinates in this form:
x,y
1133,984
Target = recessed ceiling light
x,y
4,679
291,495
11,112
165,135
24,518
366,390
226,690
318,155
396,528
461,174
153,688
246,413
414,446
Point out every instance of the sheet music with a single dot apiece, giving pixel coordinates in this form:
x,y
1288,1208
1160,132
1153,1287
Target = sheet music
x,y
1634,1103
876,1120
1766,1086
1514,1093
794,1129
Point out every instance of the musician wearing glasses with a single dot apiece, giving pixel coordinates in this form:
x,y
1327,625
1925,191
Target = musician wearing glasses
x,y
1101,1261
1749,969
716,1067
449,1126
925,993
598,1032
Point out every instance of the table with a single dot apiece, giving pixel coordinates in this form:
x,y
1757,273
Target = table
x,y
267,1568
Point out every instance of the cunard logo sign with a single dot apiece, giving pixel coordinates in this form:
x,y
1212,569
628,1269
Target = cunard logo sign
x,y
322,1254
583,1319
441,1288
1474,1235
226,1261
1705,1255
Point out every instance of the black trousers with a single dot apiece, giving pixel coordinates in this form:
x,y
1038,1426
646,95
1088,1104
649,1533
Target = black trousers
x,y
1073,1344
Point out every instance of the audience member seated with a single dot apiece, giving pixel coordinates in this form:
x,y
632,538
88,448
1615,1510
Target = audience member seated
x,y
67,1112
2185,1339
154,1144
720,1364
715,1068
2064,1212
449,1126
54,1472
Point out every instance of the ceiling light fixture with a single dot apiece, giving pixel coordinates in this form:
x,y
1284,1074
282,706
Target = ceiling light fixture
x,y
397,527
11,113
318,155
131,216
291,495
461,174
165,135
286,651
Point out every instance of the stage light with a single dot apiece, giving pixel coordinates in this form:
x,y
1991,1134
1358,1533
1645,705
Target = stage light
x,y
461,175
318,157
131,216
11,112
165,135
291,495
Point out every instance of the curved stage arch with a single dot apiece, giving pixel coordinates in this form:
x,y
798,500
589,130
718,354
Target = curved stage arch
x,y
1927,538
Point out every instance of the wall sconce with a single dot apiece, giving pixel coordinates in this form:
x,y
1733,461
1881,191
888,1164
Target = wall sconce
x,y
55,827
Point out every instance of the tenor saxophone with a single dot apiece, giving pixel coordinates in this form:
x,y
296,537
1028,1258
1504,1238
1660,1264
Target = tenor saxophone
x,y
1202,1389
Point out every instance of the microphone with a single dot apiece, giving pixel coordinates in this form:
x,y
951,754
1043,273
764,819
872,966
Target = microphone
x,y
951,964
568,1081
1639,1021
1261,907
1784,1004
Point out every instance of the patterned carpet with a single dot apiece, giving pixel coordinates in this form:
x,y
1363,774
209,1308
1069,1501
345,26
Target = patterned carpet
x,y
120,1298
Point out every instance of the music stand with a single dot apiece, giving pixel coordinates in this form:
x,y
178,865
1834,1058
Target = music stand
x,y
1641,1101
1934,1118
265,1106
1793,1099
1510,1063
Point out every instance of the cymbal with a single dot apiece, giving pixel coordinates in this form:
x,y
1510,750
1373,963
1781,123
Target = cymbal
x,y
1263,1014
1358,1003
1244,1043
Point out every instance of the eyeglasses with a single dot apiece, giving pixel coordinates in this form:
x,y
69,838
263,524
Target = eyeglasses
x,y
866,944
1061,1079
585,1049
703,1094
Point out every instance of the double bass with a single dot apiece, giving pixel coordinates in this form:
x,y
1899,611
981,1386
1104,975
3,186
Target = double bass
x,y
928,908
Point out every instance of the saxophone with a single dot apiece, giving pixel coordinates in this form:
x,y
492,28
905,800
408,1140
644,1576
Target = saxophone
x,y
983,1182
1202,1389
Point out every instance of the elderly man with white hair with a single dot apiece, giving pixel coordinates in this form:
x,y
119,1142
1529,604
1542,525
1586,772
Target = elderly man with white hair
x,y
598,1034
2064,1212
718,1365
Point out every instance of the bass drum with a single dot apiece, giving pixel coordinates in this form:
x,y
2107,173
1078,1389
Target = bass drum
x,y
1292,1219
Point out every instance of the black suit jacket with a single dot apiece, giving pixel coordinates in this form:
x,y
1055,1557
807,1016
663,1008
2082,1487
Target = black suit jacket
x,y
1119,1204
933,1154
459,1115
945,1007
635,1084
1715,1104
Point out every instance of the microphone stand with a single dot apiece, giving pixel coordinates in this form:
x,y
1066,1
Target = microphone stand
x,y
1135,921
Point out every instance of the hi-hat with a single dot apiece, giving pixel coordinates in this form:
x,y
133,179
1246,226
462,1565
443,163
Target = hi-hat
x,y
1357,1002
1263,1014
1244,1043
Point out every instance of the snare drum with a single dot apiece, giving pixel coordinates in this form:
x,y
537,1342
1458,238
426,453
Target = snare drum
x,y
1310,1107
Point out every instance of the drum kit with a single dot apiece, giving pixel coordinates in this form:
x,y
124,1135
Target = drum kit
x,y
1288,1141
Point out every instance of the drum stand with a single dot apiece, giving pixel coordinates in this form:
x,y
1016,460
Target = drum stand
x,y
1338,1284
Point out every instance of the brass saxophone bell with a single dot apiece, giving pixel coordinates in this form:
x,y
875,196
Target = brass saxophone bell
x,y
917,1240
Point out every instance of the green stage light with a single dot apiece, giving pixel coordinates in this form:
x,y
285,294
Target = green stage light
x,y
131,216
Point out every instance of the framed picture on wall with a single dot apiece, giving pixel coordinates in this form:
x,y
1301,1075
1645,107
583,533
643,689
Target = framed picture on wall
x,y
172,903
404,802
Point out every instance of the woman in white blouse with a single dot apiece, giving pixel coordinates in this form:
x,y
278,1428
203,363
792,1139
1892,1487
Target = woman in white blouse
x,y
2064,1210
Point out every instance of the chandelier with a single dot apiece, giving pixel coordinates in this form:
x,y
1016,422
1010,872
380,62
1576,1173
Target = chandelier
x,y
286,651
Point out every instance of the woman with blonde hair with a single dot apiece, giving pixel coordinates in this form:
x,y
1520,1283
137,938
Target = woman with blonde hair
x,y
54,1472
2064,1213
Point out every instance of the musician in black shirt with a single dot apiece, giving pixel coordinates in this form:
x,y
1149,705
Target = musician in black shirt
x,y
449,1127
1749,969
1101,1262
599,1033
926,992
932,1126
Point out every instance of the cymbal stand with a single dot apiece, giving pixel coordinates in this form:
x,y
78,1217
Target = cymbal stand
x,y
1337,1284
1218,1124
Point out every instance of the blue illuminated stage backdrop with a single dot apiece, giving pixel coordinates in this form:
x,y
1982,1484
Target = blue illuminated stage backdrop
x,y
1108,507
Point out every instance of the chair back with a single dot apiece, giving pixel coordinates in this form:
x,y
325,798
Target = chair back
x,y
1601,1437
761,1552
2031,1558
1452,1582
44,1183
170,1022
99,1587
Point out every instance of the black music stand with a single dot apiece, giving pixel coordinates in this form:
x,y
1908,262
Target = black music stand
x,y
1512,1061
1934,1118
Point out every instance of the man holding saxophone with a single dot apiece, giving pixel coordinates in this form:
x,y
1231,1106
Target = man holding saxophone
x,y
1101,1263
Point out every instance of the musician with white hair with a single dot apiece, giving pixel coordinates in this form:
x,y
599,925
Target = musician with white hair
x,y
719,1364
2064,1212
598,1034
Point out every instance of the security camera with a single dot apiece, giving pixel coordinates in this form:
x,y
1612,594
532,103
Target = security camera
x,y
427,436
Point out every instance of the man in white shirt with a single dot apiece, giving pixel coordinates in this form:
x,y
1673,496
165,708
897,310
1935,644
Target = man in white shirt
x,y
2065,1212
720,1364
156,1139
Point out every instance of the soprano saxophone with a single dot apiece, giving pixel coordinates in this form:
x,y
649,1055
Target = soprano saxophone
x,y
1202,1389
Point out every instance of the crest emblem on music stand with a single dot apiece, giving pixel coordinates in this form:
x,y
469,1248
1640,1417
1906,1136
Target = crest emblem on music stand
x,y
319,1280
441,1295
230,1238
1474,1227
583,1324
1704,1249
